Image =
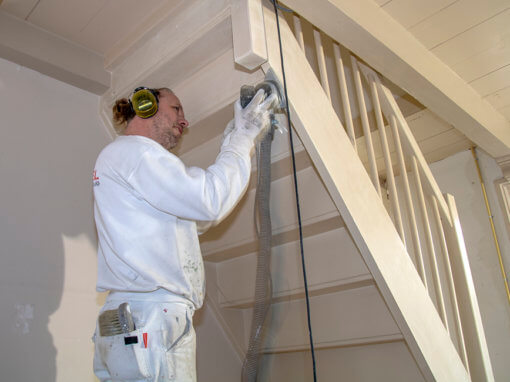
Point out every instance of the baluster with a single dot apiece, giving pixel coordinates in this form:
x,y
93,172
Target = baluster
x,y
450,282
417,182
430,245
366,127
323,74
387,160
407,189
299,32
344,95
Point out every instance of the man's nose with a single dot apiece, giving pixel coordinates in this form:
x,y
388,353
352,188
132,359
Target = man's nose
x,y
183,123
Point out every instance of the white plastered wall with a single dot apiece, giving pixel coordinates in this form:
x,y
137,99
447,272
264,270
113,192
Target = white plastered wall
x,y
457,175
50,136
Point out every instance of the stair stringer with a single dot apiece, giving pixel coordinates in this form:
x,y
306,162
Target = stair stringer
x,y
349,186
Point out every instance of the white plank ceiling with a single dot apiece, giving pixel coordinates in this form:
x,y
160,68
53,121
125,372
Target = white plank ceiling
x,y
471,36
94,24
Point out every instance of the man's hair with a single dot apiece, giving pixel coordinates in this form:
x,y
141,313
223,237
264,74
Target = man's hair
x,y
123,112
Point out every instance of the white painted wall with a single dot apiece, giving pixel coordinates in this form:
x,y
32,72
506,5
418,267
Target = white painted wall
x,y
50,136
457,175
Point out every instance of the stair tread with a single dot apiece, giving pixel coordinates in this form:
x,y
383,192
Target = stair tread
x,y
315,290
281,236
337,344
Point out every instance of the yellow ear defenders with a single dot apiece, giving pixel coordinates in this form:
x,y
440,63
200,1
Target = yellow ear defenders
x,y
144,102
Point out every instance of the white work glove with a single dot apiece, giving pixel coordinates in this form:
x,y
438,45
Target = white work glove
x,y
254,120
228,130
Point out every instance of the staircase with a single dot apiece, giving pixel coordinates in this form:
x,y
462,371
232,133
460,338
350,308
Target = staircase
x,y
358,308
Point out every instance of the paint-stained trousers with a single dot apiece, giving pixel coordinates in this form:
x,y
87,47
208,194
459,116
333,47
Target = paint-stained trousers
x,y
160,349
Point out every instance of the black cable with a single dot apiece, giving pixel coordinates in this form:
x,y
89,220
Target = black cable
x,y
307,298
282,8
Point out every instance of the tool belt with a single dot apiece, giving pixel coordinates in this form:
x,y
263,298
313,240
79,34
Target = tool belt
x,y
116,321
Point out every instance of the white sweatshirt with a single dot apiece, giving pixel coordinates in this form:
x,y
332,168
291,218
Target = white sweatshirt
x,y
146,206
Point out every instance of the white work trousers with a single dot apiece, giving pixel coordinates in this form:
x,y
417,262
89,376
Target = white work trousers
x,y
160,349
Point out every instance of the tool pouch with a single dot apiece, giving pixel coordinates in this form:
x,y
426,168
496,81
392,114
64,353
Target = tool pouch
x,y
121,347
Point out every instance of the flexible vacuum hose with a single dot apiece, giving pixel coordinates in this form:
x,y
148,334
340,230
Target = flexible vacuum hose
x,y
263,288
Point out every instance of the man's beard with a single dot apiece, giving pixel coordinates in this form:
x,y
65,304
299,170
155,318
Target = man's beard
x,y
165,136
169,141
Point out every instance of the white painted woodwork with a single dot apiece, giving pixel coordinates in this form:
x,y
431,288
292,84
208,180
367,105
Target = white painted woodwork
x,y
454,19
18,8
478,39
390,108
205,33
436,140
415,238
373,35
337,265
478,51
505,112
451,284
344,94
490,290
492,82
367,136
150,21
390,177
500,98
248,33
381,2
37,49
298,32
363,213
409,211
411,12
93,24
476,345
434,270
319,51
384,362
472,36
231,320
212,87
238,228
367,320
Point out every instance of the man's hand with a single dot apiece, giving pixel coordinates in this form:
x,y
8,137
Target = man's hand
x,y
254,119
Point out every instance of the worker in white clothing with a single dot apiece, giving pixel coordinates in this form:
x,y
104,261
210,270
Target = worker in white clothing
x,y
149,208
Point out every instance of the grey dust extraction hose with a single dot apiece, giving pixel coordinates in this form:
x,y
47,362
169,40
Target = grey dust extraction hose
x,y
263,288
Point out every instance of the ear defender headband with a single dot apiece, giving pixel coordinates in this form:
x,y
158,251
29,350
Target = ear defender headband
x,y
144,102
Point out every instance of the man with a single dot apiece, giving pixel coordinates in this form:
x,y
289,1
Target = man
x,y
147,207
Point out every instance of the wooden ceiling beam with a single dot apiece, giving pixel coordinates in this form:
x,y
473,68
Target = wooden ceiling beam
x,y
51,55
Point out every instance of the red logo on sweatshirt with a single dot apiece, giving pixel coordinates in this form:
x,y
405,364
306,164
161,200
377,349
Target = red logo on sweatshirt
x,y
95,178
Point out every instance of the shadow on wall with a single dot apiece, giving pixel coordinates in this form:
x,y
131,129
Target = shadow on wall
x,y
49,138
